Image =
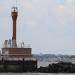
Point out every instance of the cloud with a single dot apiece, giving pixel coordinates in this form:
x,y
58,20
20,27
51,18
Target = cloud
x,y
47,24
69,7
69,12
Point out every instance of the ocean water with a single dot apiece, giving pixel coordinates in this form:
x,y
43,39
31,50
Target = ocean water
x,y
44,63
37,73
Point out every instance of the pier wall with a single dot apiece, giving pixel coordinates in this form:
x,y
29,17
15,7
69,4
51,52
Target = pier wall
x,y
18,65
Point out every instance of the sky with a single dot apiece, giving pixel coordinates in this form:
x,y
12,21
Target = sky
x,y
47,25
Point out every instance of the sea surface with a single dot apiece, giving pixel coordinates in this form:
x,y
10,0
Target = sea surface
x,y
37,73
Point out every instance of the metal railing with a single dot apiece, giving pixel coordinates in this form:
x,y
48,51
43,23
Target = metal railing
x,y
24,46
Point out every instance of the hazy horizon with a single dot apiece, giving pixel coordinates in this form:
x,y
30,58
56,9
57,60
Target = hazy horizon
x,y
48,25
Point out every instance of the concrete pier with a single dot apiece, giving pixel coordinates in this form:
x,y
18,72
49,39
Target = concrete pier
x,y
19,65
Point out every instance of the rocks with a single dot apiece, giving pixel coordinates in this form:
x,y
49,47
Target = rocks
x,y
61,67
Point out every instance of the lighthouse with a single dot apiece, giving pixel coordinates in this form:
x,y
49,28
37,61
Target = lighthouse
x,y
14,15
14,57
10,48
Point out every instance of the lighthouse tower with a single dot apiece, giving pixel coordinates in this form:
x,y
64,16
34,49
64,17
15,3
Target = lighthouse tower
x,y
14,15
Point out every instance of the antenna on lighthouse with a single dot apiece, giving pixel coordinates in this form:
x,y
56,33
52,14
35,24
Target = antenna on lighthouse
x,y
16,3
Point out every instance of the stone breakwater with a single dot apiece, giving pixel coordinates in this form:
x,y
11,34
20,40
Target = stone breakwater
x,y
61,67
22,65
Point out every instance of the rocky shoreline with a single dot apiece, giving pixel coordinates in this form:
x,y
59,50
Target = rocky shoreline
x,y
61,67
